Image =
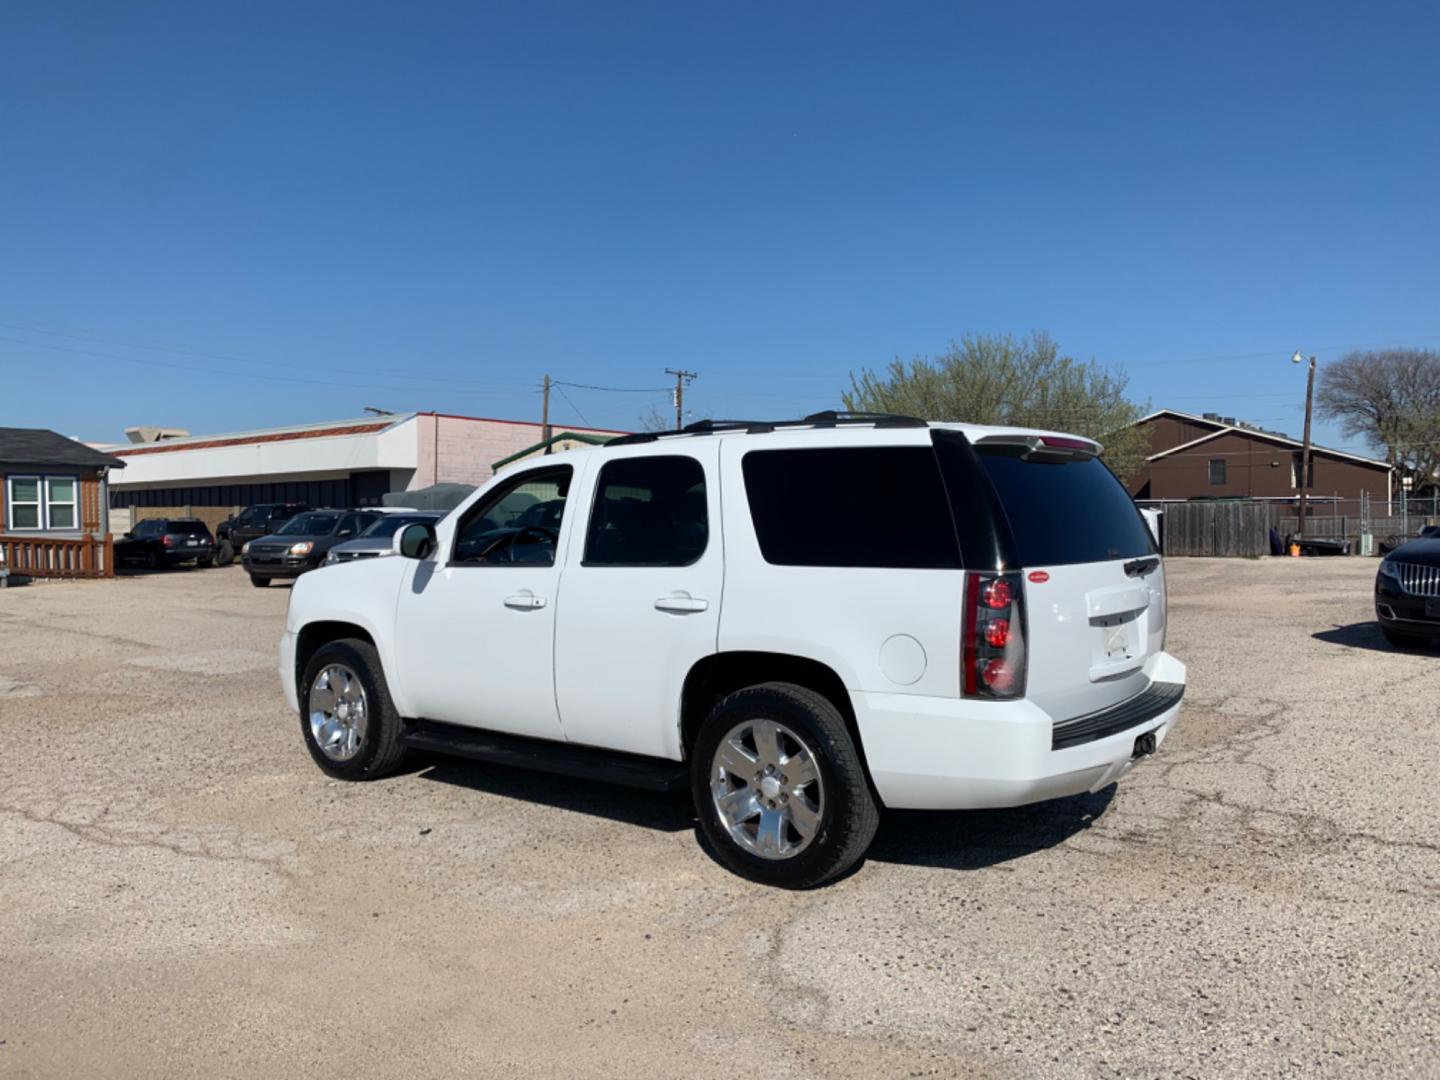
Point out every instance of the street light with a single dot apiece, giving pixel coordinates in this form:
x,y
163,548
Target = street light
x,y
1304,480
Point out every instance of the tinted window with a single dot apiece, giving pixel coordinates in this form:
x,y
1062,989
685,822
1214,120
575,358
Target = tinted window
x,y
254,515
153,527
851,506
1066,512
518,523
648,511
189,528
309,525
1217,471
285,513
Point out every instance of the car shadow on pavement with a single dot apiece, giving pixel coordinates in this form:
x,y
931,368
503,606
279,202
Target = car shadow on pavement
x,y
630,806
1367,635
976,839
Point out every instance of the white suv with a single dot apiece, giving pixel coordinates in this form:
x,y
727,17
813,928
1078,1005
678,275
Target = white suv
x,y
802,623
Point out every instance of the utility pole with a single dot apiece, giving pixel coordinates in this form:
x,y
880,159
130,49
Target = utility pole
x,y
1303,482
682,379
545,413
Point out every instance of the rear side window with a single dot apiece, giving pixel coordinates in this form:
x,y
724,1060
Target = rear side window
x,y
881,506
648,511
189,528
1066,512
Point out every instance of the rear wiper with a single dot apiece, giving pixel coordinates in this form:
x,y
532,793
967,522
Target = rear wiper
x,y
1141,567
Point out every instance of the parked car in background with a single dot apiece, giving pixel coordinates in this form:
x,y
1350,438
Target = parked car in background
x,y
302,543
703,610
1407,591
379,539
158,542
253,522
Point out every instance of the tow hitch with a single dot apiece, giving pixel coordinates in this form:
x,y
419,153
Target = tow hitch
x,y
1144,745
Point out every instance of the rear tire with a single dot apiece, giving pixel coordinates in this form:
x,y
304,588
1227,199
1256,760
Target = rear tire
x,y
378,750
225,555
152,561
258,581
1403,640
830,823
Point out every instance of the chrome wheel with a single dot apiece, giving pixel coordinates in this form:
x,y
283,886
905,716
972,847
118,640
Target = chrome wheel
x,y
767,789
337,712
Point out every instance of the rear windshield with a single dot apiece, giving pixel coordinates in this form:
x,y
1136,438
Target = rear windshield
x,y
189,528
1066,512
880,506
309,525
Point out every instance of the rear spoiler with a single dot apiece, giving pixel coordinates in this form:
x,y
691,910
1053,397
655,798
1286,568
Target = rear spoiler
x,y
1042,447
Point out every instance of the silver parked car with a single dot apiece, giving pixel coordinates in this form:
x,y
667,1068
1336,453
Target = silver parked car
x,y
378,538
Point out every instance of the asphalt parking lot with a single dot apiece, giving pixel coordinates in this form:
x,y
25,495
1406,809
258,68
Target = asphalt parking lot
x,y
183,894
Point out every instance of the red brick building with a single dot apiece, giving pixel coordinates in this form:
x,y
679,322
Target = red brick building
x,y
1194,457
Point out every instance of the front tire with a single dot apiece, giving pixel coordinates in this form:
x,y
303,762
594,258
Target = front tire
x,y
258,581
779,788
348,722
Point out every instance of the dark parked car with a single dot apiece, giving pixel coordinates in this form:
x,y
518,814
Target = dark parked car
x,y
302,543
1407,593
253,522
160,542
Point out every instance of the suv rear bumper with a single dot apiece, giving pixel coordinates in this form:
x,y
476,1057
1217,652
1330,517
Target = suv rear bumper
x,y
928,753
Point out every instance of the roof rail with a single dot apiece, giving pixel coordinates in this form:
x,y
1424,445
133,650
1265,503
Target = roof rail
x,y
828,418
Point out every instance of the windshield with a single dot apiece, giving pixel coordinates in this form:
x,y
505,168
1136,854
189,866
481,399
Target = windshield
x,y
390,524
309,525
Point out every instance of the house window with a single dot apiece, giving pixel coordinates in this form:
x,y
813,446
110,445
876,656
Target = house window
x,y
25,502
60,502
48,502
1217,472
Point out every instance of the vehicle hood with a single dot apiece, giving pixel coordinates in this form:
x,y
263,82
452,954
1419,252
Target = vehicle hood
x,y
1423,552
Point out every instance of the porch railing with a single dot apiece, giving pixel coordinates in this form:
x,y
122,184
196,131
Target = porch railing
x,y
49,556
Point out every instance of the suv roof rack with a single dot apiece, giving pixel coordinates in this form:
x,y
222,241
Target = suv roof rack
x,y
827,418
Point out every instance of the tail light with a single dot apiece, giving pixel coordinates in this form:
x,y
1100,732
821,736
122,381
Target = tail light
x,y
994,636
167,540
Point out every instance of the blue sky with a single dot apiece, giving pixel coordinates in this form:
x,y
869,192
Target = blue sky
x,y
306,208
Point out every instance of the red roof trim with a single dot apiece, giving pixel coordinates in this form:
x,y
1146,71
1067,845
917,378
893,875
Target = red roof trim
x,y
246,440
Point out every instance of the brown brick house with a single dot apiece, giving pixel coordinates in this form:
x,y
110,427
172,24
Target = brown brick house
x,y
1195,457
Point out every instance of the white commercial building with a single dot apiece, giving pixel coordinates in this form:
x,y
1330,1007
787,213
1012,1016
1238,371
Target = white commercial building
x,y
338,463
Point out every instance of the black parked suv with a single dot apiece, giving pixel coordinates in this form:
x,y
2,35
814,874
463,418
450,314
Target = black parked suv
x,y
158,542
253,522
302,543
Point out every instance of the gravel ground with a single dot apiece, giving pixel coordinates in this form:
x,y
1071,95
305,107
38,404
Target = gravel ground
x,y
183,894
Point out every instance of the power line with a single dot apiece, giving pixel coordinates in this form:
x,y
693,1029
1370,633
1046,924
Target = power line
x,y
613,389
560,387
241,358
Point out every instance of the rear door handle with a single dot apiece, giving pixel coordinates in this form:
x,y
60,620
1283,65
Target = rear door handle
x,y
524,601
681,604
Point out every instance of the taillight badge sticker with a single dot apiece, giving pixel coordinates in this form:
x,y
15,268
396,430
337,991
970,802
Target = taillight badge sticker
x,y
1038,577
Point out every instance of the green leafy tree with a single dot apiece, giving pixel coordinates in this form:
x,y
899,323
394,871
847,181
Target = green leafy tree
x,y
1023,382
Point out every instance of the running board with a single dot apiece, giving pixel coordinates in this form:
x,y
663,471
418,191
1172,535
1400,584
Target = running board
x,y
543,755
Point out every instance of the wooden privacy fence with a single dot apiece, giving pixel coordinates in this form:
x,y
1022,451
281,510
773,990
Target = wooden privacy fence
x,y
46,556
1237,530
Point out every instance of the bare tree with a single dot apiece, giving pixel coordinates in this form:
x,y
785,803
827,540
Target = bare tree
x,y
1391,399
1018,381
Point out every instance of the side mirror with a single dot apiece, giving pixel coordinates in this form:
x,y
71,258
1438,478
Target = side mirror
x,y
416,540
129,536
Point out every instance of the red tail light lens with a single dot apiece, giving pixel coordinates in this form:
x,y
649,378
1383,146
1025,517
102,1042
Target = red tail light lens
x,y
993,661
997,594
168,540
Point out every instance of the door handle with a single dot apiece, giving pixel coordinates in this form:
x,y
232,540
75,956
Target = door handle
x,y
524,601
681,604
